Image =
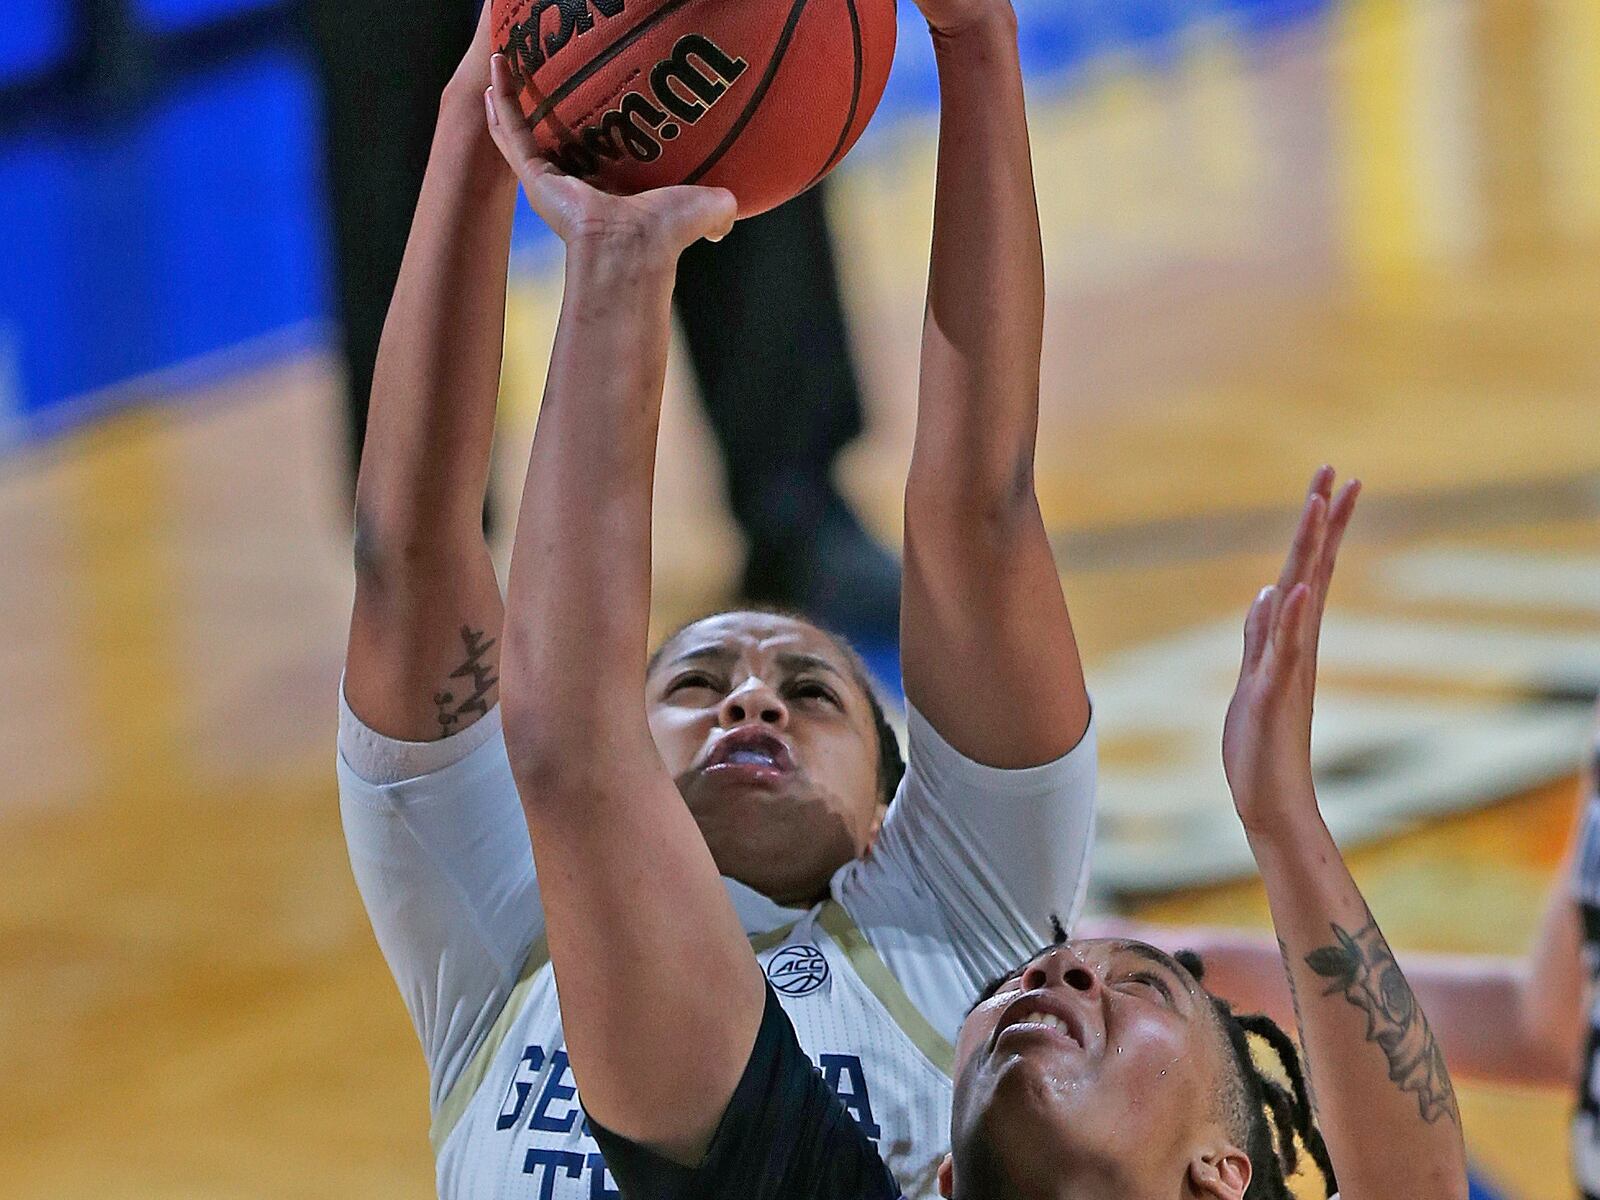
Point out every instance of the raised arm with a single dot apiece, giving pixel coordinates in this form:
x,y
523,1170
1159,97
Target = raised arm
x,y
988,652
1497,1019
660,995
1379,1083
424,646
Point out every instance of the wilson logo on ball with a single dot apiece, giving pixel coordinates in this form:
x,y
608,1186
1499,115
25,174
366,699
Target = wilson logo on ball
x,y
528,51
683,87
762,97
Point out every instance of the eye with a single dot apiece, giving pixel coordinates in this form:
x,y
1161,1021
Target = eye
x,y
691,681
813,689
1147,982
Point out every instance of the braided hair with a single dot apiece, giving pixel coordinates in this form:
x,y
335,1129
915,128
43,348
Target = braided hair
x,y
1268,1106
1270,1110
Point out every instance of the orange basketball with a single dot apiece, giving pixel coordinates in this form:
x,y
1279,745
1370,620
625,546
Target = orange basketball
x,y
762,97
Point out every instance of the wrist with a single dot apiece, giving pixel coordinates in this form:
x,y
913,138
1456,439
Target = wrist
x,y
1293,824
461,122
997,23
620,259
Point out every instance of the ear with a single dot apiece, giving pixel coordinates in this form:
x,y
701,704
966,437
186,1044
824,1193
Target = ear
x,y
1220,1174
876,828
947,1177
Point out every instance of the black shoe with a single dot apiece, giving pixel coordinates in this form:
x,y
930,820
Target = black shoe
x,y
839,576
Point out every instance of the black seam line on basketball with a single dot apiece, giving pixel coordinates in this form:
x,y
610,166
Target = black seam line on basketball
x,y
733,133
583,73
855,101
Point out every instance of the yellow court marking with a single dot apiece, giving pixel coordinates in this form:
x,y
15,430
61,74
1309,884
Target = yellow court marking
x,y
1568,75
128,601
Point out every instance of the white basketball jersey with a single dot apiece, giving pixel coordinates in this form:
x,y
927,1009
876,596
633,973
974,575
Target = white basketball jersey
x,y
513,1127
970,866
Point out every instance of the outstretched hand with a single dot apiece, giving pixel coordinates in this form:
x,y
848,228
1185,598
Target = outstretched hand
x,y
657,225
1266,739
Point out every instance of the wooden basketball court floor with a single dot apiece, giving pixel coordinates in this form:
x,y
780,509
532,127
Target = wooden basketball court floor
x,y
1373,241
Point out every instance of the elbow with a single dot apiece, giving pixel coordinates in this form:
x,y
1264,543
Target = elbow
x,y
372,557
553,750
1554,1038
544,769
391,553
985,512
973,470
381,549
559,772
540,758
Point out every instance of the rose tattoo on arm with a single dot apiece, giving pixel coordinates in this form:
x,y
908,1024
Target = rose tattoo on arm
x,y
1362,969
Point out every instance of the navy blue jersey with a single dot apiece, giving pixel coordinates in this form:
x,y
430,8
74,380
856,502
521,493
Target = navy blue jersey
x,y
785,1136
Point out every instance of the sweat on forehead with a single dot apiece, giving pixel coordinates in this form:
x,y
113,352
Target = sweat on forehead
x,y
706,636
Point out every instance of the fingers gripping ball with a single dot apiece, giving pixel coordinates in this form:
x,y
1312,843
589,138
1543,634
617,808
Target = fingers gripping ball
x,y
762,97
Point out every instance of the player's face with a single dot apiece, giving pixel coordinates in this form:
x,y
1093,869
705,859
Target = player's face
x,y
1097,1066
770,738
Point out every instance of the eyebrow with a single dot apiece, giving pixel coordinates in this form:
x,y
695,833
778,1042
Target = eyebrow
x,y
709,652
702,653
808,662
1145,950
713,652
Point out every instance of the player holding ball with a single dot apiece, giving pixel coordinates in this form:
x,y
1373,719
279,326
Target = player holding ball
x,y
878,895
661,999
1088,1069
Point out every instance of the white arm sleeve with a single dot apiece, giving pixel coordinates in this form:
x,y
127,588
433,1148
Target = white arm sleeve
x,y
444,867
970,867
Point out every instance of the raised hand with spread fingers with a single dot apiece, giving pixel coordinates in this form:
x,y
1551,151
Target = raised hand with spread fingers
x,y
1266,740
1382,1092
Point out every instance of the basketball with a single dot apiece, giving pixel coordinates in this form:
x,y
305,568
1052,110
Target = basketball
x,y
762,97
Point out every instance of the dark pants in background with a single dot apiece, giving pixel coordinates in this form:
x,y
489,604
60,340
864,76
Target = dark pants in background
x,y
761,311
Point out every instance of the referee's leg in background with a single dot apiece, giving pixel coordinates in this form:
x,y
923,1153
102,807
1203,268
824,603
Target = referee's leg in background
x,y
761,312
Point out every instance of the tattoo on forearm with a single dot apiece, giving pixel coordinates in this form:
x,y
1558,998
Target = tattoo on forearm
x,y
1363,970
1299,1024
481,679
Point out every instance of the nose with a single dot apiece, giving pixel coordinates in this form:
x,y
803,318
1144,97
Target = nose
x,y
753,700
1061,966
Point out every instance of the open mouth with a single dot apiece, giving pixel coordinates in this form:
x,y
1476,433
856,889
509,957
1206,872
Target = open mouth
x,y
1041,1013
749,751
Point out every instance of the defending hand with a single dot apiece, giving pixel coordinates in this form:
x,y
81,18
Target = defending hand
x,y
1266,739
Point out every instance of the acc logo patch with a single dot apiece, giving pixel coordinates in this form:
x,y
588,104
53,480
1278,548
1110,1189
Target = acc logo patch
x,y
797,970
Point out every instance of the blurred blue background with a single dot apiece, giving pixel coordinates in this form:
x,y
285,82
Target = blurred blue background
x,y
161,183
